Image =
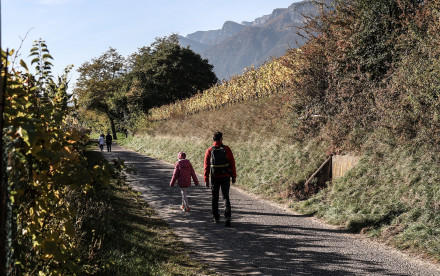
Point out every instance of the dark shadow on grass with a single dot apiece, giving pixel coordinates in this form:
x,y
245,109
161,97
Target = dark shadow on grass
x,y
357,225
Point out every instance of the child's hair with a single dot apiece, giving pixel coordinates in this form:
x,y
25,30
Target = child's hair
x,y
181,155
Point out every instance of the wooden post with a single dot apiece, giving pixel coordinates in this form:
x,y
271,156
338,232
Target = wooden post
x,y
306,185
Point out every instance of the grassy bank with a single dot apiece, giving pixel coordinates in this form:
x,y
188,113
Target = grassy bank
x,y
269,161
269,169
392,195
121,235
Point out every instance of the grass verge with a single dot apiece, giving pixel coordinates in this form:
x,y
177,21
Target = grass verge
x,y
392,195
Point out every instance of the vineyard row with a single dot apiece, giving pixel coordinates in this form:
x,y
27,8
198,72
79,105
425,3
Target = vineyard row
x,y
271,78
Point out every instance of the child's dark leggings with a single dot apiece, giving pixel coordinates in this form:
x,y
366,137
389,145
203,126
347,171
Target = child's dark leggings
x,y
224,184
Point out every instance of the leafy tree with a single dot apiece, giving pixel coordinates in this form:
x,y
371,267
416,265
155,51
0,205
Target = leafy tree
x,y
99,86
166,72
46,170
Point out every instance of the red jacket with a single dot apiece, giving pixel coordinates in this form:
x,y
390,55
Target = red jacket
x,y
230,157
183,171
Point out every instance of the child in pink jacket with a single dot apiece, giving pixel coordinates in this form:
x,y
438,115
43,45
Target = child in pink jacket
x,y
183,171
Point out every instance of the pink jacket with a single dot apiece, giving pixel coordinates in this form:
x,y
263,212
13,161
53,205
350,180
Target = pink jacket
x,y
183,171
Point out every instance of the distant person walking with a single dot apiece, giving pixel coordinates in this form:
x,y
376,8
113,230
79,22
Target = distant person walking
x,y
183,171
220,164
101,142
108,141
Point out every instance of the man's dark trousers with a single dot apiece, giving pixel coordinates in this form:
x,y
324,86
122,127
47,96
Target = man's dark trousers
x,y
218,183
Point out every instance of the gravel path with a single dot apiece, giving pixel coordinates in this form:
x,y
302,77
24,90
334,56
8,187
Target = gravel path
x,y
265,239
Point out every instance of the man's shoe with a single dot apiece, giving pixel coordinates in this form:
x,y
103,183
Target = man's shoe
x,y
216,220
228,222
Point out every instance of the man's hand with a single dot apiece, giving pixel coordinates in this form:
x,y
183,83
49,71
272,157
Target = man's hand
x,y
233,179
207,184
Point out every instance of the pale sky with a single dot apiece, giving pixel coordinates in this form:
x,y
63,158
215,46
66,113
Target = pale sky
x,y
78,30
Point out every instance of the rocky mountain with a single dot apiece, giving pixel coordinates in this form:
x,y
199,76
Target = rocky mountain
x,y
239,45
216,36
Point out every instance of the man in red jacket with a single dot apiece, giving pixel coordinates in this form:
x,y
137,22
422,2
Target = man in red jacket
x,y
220,164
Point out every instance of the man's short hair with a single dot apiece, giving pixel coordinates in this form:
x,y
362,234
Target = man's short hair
x,y
217,136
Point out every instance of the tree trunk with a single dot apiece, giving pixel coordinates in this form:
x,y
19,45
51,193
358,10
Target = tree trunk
x,y
112,122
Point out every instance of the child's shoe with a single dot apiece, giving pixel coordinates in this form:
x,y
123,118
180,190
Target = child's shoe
x,y
187,209
182,207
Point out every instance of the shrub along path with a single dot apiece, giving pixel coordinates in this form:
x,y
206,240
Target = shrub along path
x,y
265,239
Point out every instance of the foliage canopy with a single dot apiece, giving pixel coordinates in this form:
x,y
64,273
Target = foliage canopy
x,y
347,84
46,169
99,86
158,74
166,72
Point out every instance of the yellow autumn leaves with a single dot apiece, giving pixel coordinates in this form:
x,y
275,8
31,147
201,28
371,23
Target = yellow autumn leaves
x,y
270,78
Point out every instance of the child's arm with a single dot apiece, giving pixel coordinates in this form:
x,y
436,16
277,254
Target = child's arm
x,y
175,176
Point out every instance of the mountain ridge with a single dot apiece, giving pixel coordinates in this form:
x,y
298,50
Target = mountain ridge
x,y
239,45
